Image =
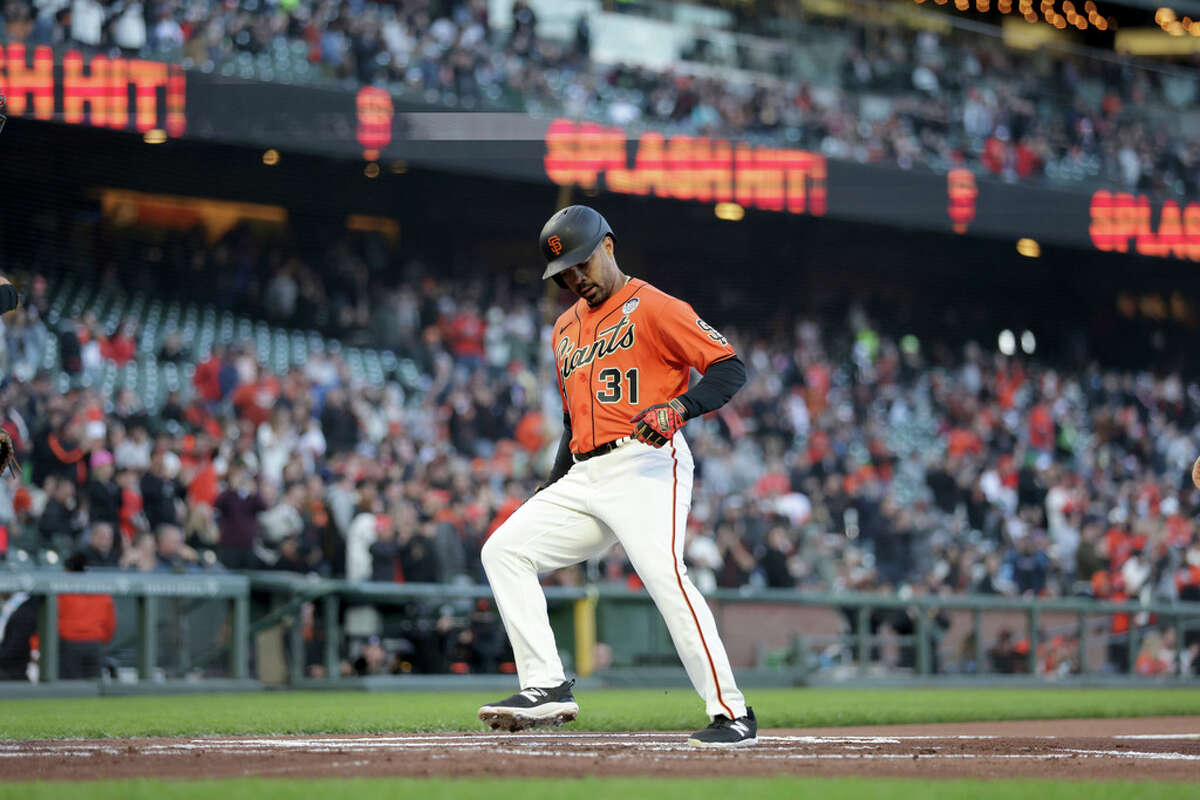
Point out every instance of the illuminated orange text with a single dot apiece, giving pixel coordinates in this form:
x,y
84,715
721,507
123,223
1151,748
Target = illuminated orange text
x,y
1122,221
94,91
375,112
686,168
961,189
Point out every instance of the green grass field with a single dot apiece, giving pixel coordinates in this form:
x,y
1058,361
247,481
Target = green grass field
x,y
602,710
597,788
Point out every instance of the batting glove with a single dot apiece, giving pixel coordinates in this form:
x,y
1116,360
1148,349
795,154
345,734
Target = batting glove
x,y
657,424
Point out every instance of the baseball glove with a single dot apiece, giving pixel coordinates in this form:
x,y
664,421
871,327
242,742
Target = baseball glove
x,y
657,424
8,454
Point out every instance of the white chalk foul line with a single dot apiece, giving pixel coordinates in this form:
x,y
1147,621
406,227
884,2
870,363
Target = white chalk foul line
x,y
1158,736
582,745
1135,754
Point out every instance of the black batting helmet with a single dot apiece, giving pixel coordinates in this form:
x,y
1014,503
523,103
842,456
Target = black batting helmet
x,y
570,236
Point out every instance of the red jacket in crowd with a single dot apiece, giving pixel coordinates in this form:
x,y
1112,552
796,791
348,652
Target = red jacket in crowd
x,y
86,617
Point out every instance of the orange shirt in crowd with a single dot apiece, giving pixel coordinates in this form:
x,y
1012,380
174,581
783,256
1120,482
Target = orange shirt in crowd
x,y
962,441
529,431
86,617
1151,665
504,512
1041,427
119,349
256,401
207,379
1187,577
204,487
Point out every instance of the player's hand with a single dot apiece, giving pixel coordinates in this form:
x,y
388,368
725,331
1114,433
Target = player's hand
x,y
657,424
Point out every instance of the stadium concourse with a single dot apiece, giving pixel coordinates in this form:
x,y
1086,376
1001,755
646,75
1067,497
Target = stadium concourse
x,y
161,435
871,92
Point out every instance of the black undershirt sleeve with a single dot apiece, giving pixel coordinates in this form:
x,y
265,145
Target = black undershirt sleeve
x,y
8,298
715,389
562,459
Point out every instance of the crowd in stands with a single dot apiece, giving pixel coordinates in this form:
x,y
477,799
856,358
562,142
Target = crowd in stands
x,y
851,460
888,95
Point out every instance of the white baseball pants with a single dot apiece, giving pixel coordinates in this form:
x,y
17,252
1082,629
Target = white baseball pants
x,y
636,495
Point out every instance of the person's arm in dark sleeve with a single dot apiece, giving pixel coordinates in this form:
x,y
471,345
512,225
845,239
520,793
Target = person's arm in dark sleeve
x,y
9,298
562,459
715,389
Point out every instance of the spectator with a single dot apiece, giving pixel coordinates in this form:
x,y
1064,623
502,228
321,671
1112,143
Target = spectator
x,y
201,532
70,351
103,494
121,347
418,560
1003,655
775,559
1152,659
1029,567
62,521
172,350
361,534
238,508
101,549
162,494
283,520
385,553
57,449
173,554
207,378
256,395
86,622
133,451
142,555
338,423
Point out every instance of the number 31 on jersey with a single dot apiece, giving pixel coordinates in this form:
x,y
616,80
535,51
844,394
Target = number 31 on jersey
x,y
612,391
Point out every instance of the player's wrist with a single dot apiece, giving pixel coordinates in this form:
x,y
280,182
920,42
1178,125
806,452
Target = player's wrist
x,y
679,406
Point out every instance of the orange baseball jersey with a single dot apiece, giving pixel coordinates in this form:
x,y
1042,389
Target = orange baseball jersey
x,y
635,350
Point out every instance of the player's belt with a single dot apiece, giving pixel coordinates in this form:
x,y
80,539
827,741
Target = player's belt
x,y
602,449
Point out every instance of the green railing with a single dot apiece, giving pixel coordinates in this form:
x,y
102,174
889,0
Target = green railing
x,y
147,589
293,591
1180,614
288,593
333,593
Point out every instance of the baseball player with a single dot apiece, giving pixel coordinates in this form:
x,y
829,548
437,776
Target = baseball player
x,y
623,473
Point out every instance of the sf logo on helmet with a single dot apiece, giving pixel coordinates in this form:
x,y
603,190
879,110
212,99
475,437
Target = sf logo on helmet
x,y
555,244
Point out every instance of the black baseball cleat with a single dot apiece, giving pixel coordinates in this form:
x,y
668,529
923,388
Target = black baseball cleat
x,y
726,732
532,707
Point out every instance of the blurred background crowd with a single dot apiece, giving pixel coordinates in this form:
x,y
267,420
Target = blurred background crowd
x,y
856,457
851,87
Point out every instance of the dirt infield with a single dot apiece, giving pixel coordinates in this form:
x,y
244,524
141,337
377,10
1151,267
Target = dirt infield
x,y
1166,748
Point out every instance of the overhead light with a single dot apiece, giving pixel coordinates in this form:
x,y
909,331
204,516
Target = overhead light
x,y
154,136
271,157
731,212
1028,342
371,170
1007,342
399,167
1029,248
